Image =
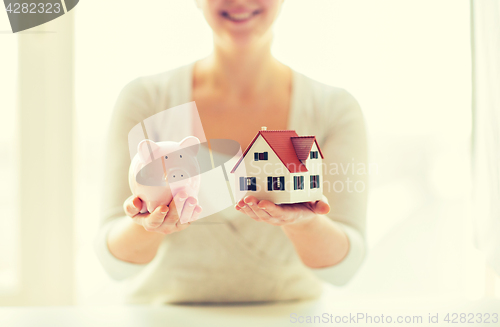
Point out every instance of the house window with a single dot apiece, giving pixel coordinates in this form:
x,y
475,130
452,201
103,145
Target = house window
x,y
260,156
248,184
298,182
276,183
313,155
314,181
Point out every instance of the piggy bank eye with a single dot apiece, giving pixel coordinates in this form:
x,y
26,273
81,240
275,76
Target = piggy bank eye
x,y
166,157
181,155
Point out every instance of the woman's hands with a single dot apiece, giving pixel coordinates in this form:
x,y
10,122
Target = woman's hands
x,y
137,240
284,214
317,239
164,219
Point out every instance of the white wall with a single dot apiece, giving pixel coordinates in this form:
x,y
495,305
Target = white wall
x,y
8,162
38,142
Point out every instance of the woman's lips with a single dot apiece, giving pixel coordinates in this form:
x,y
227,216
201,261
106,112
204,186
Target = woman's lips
x,y
240,16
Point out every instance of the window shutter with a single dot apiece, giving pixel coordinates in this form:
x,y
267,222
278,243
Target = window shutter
x,y
265,155
282,183
256,156
269,183
242,183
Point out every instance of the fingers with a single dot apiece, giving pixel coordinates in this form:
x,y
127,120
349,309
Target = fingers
x,y
182,224
278,215
271,208
321,208
196,213
249,206
274,213
165,219
182,209
253,205
155,219
177,203
244,207
132,206
188,210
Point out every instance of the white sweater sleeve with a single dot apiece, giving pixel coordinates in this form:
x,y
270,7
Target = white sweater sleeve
x,y
345,179
133,105
116,268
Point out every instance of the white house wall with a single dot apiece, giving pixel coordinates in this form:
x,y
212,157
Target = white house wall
x,y
261,170
314,165
307,194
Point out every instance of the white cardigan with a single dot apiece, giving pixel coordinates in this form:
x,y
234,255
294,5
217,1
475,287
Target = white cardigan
x,y
243,260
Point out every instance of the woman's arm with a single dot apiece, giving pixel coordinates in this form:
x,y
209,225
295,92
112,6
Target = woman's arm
x,y
330,240
127,239
132,243
318,240
137,240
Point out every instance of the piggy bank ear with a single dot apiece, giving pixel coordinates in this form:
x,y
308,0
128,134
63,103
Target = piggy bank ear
x,y
146,149
192,143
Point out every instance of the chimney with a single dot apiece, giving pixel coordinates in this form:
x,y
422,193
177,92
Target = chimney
x,y
263,128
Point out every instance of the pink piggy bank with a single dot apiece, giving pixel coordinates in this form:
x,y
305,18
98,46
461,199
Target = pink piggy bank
x,y
160,170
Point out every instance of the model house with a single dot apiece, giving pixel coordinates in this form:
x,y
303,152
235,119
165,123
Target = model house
x,y
281,167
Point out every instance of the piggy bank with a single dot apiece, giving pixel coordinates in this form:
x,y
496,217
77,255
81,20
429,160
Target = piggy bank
x,y
160,170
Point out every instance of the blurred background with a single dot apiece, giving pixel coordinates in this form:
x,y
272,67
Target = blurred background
x,y
408,63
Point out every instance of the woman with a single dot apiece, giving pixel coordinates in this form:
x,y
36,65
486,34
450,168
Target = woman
x,y
265,252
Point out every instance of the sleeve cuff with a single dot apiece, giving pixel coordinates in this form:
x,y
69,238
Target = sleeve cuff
x,y
116,268
342,272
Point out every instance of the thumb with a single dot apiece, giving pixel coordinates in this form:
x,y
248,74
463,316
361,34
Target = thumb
x,y
321,207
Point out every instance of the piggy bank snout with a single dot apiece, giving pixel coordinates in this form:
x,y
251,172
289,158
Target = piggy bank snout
x,y
177,174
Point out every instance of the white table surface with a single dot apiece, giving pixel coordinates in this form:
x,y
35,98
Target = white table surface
x,y
271,314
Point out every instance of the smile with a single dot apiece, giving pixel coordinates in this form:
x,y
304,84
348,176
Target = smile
x,y
240,17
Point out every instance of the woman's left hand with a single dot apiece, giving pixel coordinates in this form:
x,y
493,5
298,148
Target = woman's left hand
x,y
282,214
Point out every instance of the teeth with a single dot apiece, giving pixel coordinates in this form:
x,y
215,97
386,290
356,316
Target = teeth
x,y
241,16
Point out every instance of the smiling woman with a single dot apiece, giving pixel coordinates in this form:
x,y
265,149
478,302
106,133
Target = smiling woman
x,y
380,51
261,251
240,21
240,17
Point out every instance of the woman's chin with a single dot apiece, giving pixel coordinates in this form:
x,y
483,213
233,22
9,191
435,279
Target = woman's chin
x,y
242,39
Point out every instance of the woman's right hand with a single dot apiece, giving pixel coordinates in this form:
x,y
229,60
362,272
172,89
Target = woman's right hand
x,y
164,219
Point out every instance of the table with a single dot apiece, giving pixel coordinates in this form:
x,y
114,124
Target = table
x,y
326,310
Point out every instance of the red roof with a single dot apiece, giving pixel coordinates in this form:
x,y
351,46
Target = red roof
x,y
288,146
302,146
